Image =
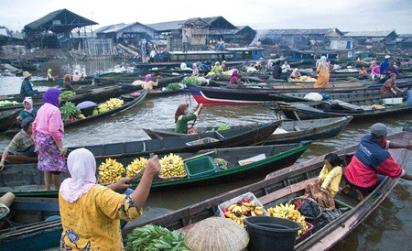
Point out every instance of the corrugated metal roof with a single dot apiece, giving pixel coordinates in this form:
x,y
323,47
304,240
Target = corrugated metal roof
x,y
110,28
166,26
302,31
368,33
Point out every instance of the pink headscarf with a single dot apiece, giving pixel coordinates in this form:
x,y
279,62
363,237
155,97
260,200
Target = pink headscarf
x,y
30,101
82,169
148,78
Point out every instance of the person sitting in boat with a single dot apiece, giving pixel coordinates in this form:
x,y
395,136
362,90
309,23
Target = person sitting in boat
x,y
195,70
372,161
217,68
97,227
183,116
67,79
76,77
322,70
277,71
26,89
363,72
148,83
389,88
28,111
385,64
375,71
234,79
224,66
295,73
50,76
21,144
285,67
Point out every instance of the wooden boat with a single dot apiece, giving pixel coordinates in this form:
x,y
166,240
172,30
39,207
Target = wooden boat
x,y
290,131
336,109
131,77
59,82
276,186
27,215
26,180
253,96
8,118
254,135
286,184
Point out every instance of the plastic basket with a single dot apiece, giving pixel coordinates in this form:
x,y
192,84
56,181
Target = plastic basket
x,y
248,195
199,167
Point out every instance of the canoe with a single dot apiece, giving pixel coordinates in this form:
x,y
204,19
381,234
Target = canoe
x,y
274,157
29,215
286,184
326,110
254,96
59,82
8,118
130,78
254,135
290,131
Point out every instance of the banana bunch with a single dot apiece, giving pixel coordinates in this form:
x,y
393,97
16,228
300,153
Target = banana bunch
x,y
135,167
102,108
171,166
110,171
288,211
239,211
114,103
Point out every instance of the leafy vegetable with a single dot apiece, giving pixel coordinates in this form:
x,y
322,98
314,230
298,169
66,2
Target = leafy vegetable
x,y
66,95
5,103
191,81
155,238
223,127
68,110
174,86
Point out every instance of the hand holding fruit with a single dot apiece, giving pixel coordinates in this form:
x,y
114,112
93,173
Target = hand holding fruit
x,y
153,166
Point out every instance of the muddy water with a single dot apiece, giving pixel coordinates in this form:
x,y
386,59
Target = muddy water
x,y
389,227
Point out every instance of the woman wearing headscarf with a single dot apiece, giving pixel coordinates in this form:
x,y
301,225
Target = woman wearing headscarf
x,y
234,79
323,73
48,133
50,76
91,213
195,70
183,116
149,84
28,111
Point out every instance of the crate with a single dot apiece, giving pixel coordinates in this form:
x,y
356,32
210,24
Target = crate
x,y
201,166
392,101
248,195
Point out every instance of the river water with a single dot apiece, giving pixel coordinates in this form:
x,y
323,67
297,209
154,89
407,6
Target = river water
x,y
388,227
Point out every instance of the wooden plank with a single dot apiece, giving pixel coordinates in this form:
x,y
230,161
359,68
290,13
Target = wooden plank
x,y
285,191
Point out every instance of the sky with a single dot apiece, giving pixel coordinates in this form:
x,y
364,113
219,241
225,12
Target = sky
x,y
346,15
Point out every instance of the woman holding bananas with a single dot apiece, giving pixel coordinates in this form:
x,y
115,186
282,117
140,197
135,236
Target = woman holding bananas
x,y
183,116
91,213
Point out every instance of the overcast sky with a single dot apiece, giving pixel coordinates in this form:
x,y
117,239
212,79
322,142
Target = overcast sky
x,y
260,14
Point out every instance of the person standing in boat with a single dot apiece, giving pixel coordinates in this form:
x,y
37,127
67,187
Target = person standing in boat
x,y
385,64
277,71
50,76
322,70
389,88
91,213
372,160
28,111
48,133
183,116
26,89
21,144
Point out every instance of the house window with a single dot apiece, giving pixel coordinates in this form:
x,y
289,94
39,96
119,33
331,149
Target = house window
x,y
349,45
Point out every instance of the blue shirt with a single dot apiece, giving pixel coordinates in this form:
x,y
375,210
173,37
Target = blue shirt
x,y
409,97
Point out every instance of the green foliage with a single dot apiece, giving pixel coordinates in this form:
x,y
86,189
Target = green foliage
x,y
66,95
69,109
192,81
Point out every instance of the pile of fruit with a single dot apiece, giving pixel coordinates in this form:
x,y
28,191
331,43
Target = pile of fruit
x,y
172,165
288,211
237,212
135,167
152,237
70,112
66,95
5,103
110,171
110,104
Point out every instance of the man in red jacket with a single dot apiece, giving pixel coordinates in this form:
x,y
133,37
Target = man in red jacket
x,y
372,161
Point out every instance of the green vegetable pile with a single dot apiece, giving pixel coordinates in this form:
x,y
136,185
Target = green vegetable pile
x,y
68,110
5,103
191,81
174,86
66,95
223,127
155,238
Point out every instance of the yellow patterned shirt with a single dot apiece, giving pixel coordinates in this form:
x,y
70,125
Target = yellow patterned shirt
x,y
93,221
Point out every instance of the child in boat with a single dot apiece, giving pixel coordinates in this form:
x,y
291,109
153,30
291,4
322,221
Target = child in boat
x,y
183,116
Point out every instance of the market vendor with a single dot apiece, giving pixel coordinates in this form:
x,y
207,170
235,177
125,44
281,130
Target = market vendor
x,y
28,111
67,80
389,88
322,70
217,68
295,73
21,144
50,76
235,79
97,227
183,116
26,89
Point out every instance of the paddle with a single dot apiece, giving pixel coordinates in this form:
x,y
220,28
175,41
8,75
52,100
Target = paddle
x,y
199,108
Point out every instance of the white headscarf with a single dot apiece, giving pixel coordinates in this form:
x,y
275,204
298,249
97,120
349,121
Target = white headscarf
x,y
323,62
82,168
